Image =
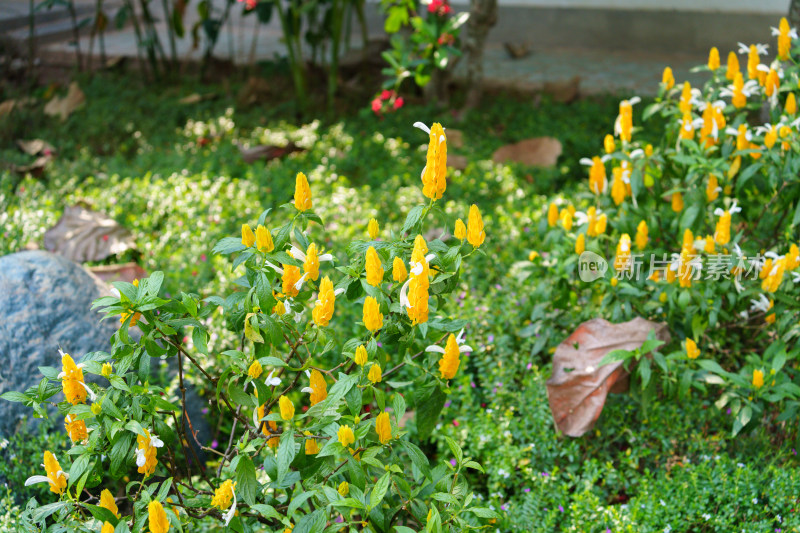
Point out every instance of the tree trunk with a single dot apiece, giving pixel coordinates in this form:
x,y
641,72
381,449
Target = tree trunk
x,y
482,17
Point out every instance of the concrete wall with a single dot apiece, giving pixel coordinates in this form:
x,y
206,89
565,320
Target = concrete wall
x,y
725,6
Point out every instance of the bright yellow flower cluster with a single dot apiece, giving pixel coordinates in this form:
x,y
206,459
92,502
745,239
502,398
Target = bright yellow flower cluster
x,y
223,496
419,283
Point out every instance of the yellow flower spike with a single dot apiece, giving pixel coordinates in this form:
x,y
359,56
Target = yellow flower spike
x,y
648,150
312,447
625,120
623,256
146,454
311,262
685,103
374,374
667,79
399,271
383,427
722,234
739,99
107,502
752,62
580,244
157,517
784,39
597,176
712,188
373,229
460,231
319,388
58,481
279,308
223,496
291,275
662,297
475,233
248,237
264,242
552,214
688,240
324,306
361,356
770,317
255,369
373,267
713,59
614,282
416,298
566,219
591,221
76,429
107,370
692,351
373,319
733,66
770,138
677,202
434,175
687,127
641,235
790,107
608,144
344,489
772,83
72,381
618,189
451,358
734,168
287,408
302,193
107,528
345,435
600,225
533,255
758,378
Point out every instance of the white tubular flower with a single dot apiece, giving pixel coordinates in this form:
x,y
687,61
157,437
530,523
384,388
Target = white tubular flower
x,y
276,268
228,516
776,32
462,348
795,277
423,127
272,381
762,304
588,161
636,153
763,49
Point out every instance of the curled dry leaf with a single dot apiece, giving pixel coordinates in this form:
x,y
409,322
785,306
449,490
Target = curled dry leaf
x,y
36,147
578,388
63,107
85,235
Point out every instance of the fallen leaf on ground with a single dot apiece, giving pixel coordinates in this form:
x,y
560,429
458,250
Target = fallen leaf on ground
x,y
35,169
578,388
563,92
196,98
85,235
63,107
457,162
539,151
267,152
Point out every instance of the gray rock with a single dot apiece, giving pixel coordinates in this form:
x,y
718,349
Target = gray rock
x,y
45,303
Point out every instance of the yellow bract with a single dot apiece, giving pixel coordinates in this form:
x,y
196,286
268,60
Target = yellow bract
x,y
58,481
374,267
287,408
319,388
373,229
434,181
302,193
157,517
460,231
475,233
383,427
107,502
76,429
345,435
692,351
758,379
72,381
255,369
248,237
448,364
373,319
713,58
374,374
264,239
399,272
361,356
223,496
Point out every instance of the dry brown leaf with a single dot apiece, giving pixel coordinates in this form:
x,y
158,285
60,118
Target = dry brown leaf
x,y
84,235
35,169
455,138
578,388
7,107
196,98
267,152
63,107
539,151
121,272
457,162
36,147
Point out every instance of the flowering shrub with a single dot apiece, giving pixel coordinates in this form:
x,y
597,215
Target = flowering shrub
x,y
697,218
318,438
427,54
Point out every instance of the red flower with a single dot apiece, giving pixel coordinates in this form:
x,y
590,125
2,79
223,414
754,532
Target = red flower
x,y
249,4
376,106
398,103
434,5
386,94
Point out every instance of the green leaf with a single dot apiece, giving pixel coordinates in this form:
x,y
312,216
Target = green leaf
x,y
379,491
428,412
46,510
228,245
456,449
615,355
311,523
286,453
102,514
200,339
413,218
246,483
14,396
